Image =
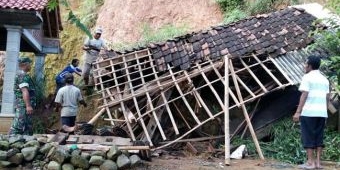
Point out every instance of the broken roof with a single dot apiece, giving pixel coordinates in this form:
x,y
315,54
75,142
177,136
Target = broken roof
x,y
24,4
272,34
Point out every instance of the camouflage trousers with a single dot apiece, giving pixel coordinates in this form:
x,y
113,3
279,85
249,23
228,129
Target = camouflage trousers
x,y
22,122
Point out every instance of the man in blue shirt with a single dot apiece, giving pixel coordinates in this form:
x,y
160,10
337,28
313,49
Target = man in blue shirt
x,y
72,68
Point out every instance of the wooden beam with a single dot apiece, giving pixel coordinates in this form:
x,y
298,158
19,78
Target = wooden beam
x,y
226,112
135,102
123,107
267,70
183,97
245,113
253,75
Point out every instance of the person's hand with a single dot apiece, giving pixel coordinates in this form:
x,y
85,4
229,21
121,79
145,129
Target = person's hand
x,y
296,116
29,110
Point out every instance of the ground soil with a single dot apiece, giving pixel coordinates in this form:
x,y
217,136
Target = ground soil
x,y
199,163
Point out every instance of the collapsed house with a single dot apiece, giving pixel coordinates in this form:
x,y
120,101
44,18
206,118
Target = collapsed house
x,y
165,91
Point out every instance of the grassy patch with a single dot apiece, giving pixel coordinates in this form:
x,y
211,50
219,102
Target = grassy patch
x,y
235,15
150,35
285,144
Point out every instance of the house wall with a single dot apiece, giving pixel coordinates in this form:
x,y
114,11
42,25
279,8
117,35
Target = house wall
x,y
5,124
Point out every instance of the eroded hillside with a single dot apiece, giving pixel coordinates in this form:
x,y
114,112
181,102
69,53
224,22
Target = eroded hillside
x,y
122,20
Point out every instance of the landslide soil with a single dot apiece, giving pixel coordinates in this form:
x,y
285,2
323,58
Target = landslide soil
x,y
122,20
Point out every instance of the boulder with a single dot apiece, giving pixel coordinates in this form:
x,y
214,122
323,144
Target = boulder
x,y
123,161
60,155
79,161
108,165
68,167
3,155
18,145
113,153
85,155
99,153
29,138
135,160
4,164
29,153
96,160
46,148
15,138
94,168
16,159
53,165
12,152
76,152
4,145
32,143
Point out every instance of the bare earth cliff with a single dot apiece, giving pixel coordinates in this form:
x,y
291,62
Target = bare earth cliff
x,y
122,20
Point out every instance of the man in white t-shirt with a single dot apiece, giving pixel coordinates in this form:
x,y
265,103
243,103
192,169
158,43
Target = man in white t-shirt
x,y
67,99
312,111
92,49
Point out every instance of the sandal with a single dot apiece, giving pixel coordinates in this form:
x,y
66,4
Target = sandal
x,y
306,166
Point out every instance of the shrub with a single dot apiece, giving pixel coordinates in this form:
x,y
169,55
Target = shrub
x,y
235,15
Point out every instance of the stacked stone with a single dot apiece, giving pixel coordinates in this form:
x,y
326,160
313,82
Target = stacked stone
x,y
18,151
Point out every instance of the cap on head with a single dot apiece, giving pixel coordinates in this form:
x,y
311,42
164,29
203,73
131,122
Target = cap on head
x,y
23,60
98,31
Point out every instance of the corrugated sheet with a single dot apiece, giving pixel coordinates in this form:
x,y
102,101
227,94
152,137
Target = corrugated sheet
x,y
292,63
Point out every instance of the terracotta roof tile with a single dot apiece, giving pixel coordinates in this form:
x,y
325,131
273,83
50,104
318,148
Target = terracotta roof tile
x,y
35,5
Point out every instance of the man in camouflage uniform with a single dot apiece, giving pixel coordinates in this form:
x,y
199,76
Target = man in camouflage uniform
x,y
24,90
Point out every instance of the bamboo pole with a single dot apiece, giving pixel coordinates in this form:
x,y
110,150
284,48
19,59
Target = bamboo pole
x,y
245,113
165,101
226,112
135,102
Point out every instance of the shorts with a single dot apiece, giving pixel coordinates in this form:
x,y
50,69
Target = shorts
x,y
312,131
60,84
68,120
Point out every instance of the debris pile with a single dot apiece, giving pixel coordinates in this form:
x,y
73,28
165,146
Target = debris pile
x,y
35,152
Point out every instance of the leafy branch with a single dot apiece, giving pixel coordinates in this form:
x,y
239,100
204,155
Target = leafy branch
x,y
53,4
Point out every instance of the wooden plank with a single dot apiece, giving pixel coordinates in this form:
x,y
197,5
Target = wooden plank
x,y
96,147
267,70
183,97
136,103
211,87
59,138
149,101
180,113
198,96
245,113
122,105
165,97
103,95
253,75
221,78
152,85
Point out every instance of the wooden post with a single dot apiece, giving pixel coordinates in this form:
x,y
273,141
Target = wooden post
x,y
226,112
245,113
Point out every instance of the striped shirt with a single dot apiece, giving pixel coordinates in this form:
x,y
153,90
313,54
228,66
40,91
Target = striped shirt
x,y
317,87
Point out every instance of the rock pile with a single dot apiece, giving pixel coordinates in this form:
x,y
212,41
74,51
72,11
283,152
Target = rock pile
x,y
21,150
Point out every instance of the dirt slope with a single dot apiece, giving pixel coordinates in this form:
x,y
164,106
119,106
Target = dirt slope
x,y
122,20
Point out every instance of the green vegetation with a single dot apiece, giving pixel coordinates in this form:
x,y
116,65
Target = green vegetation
x,y
235,10
150,35
285,144
329,39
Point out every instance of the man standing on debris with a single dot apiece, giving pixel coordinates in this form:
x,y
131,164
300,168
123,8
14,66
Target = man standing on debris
x,y
92,49
312,111
24,91
68,98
